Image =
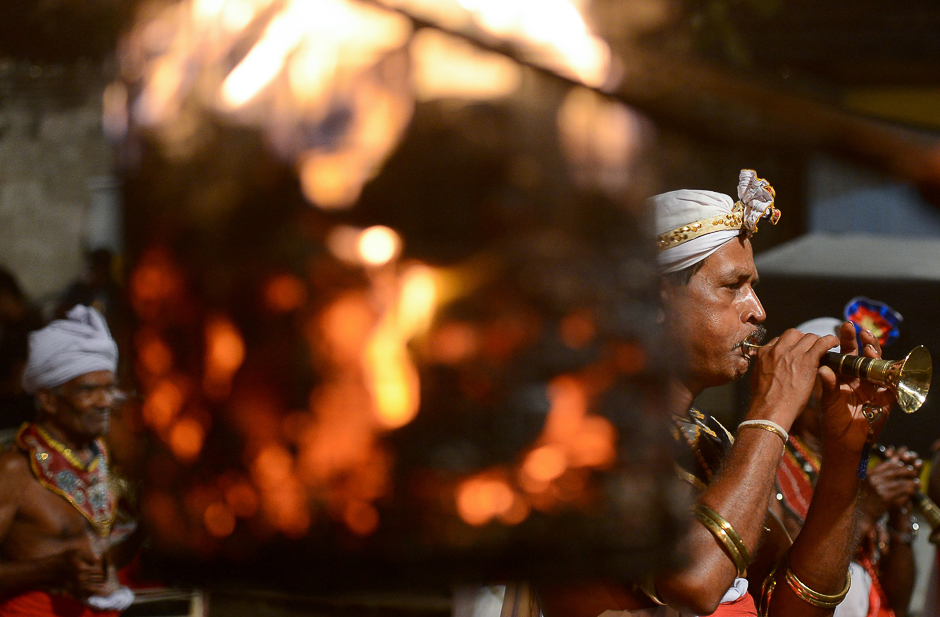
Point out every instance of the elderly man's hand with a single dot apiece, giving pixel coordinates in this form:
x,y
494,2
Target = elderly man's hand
x,y
86,574
784,374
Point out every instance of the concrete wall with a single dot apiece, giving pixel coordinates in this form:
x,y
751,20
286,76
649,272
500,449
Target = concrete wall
x,y
53,161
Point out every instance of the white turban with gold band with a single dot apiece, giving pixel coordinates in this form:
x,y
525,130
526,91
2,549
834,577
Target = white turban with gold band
x,y
691,225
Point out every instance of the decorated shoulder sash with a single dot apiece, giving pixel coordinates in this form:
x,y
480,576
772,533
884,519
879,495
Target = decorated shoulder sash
x,y
707,442
86,487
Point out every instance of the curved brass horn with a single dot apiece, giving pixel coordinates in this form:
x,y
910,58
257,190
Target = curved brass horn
x,y
909,378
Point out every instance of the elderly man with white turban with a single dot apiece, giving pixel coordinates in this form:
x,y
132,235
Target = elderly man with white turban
x,y
57,504
734,545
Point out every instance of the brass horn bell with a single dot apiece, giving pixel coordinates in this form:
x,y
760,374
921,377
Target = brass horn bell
x,y
909,378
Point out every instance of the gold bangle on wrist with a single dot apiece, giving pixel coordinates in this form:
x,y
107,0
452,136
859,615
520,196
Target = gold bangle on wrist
x,y
813,597
727,537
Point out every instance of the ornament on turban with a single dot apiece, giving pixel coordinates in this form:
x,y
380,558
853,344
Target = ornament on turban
x,y
691,225
865,314
68,348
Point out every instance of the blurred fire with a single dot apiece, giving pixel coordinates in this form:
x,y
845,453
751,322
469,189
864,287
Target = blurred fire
x,y
332,83
376,246
552,33
225,352
186,438
162,405
219,519
484,497
284,293
329,454
552,471
156,286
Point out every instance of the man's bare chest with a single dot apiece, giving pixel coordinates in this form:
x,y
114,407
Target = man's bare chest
x,y
46,521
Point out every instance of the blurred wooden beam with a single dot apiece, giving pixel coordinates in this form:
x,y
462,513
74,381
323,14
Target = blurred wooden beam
x,y
715,103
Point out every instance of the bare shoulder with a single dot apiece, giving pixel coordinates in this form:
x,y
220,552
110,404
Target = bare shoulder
x,y
15,473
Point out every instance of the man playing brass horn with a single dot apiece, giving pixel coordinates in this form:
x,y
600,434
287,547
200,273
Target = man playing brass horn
x,y
733,544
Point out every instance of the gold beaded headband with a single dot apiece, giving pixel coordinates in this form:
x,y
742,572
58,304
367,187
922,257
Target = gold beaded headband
x,y
683,234
756,202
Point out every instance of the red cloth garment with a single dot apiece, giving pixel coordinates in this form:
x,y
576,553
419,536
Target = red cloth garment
x,y
43,604
877,598
796,477
742,607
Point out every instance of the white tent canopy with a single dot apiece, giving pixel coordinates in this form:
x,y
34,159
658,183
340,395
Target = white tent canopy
x,y
854,256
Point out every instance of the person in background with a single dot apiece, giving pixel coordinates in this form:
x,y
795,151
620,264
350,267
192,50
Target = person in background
x,y
17,319
932,603
58,503
883,568
98,289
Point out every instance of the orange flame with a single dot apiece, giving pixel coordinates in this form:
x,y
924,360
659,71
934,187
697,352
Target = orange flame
x,y
225,352
544,464
361,517
154,283
286,507
284,293
162,404
393,378
482,498
572,439
283,498
242,499
153,353
552,32
273,467
186,439
219,519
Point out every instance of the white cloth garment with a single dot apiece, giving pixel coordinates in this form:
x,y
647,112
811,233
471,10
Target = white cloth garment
x,y
738,589
677,208
487,602
478,601
68,348
117,601
822,326
855,603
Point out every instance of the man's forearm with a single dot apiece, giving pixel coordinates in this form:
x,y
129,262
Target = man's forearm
x,y
820,556
741,495
897,568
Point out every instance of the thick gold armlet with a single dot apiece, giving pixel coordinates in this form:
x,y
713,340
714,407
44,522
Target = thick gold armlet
x,y
728,539
811,596
648,587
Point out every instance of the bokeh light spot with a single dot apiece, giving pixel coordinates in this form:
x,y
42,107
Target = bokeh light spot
x,y
361,517
378,245
186,438
545,464
219,520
